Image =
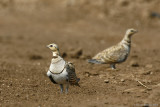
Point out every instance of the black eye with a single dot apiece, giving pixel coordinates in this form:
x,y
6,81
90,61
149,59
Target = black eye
x,y
132,30
51,45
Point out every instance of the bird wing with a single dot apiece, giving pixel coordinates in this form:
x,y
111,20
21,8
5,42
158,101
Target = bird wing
x,y
114,54
72,78
96,61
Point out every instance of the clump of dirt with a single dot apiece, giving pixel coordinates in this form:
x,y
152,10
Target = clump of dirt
x,y
35,57
75,53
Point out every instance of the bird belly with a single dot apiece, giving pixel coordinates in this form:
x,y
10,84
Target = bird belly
x,y
122,59
61,78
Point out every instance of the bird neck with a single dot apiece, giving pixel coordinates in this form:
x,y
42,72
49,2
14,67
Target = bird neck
x,y
127,39
55,54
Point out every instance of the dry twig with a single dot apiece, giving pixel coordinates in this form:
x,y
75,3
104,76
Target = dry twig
x,y
141,83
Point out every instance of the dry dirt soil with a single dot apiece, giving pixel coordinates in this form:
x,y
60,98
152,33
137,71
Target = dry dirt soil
x,y
81,28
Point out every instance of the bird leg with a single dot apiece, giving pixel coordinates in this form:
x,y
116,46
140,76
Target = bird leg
x,y
61,86
113,66
67,86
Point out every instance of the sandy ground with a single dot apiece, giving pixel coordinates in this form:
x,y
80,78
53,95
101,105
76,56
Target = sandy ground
x,y
88,27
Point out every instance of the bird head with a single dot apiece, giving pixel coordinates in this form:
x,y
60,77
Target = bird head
x,y
53,47
130,32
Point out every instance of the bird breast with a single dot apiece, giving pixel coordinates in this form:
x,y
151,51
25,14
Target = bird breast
x,y
57,67
127,48
124,53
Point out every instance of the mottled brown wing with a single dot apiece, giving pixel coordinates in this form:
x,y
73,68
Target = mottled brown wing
x,y
72,78
113,54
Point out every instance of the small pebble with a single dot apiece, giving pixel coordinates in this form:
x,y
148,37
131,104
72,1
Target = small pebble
x,y
106,81
134,63
17,95
122,80
10,84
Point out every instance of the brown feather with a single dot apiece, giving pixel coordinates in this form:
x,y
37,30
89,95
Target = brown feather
x,y
72,78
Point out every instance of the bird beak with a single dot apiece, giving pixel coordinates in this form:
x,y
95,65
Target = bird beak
x,y
136,31
47,46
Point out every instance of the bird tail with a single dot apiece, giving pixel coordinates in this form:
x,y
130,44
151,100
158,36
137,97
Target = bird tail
x,y
95,61
78,79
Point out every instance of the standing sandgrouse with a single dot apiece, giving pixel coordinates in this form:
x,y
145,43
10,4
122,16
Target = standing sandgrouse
x,y
117,53
61,72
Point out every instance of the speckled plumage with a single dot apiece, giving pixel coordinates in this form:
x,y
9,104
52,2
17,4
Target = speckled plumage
x,y
115,54
60,71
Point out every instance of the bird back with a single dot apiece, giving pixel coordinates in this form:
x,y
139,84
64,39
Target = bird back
x,y
114,54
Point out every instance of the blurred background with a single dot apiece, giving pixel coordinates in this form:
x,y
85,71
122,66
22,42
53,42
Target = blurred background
x,y
81,28
39,22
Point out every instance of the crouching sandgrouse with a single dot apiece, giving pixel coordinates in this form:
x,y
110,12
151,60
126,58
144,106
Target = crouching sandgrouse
x,y
117,53
61,72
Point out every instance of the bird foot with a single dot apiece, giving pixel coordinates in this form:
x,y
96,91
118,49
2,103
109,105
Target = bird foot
x,y
66,92
61,86
113,67
67,88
